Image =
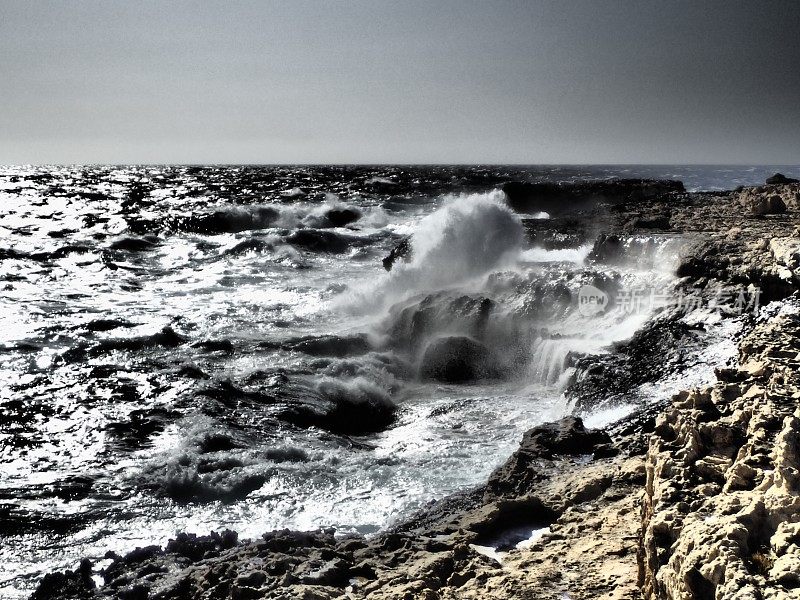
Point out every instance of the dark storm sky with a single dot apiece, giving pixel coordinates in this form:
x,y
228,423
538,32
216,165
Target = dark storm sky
x,y
400,81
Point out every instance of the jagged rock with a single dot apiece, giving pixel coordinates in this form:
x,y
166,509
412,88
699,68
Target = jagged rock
x,y
748,260
75,585
723,479
608,249
401,251
770,199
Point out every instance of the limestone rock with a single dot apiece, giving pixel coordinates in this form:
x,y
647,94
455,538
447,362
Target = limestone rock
x,y
770,199
722,499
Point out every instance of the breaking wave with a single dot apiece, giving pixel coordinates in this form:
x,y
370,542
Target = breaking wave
x,y
468,237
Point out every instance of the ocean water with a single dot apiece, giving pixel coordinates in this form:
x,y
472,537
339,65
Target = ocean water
x,y
200,348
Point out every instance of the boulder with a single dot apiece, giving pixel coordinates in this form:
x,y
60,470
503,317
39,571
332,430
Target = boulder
x,y
761,201
779,179
456,359
348,407
339,217
775,205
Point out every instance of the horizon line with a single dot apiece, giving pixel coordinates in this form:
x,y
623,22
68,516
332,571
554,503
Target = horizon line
x,y
393,164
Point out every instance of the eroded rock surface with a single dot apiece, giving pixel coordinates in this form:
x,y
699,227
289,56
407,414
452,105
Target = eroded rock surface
x,y
770,199
721,515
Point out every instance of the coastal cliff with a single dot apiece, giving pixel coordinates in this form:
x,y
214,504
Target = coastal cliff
x,y
693,498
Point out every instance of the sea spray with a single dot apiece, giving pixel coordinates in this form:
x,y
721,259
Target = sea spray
x,y
469,236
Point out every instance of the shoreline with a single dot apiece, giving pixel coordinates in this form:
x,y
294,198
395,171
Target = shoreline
x,y
623,507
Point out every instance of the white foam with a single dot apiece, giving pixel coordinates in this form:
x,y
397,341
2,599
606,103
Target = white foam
x,y
603,418
468,237
543,255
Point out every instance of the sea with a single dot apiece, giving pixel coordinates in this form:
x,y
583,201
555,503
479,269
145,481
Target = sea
x,y
200,348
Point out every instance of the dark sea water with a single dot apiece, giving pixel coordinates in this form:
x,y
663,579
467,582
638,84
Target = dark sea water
x,y
195,348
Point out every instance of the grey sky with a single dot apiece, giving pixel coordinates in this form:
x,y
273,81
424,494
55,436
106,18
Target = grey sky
x,y
397,81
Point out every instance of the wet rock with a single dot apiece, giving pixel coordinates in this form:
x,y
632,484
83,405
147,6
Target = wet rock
x,y
402,251
140,426
231,220
340,217
196,547
413,323
345,407
75,585
167,338
663,346
560,232
330,345
520,473
317,240
251,245
216,442
608,249
106,324
133,244
457,359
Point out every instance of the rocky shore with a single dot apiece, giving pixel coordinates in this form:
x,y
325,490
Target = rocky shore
x,y
695,498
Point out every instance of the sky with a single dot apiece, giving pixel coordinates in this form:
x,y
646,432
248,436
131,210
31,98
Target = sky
x,y
400,81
